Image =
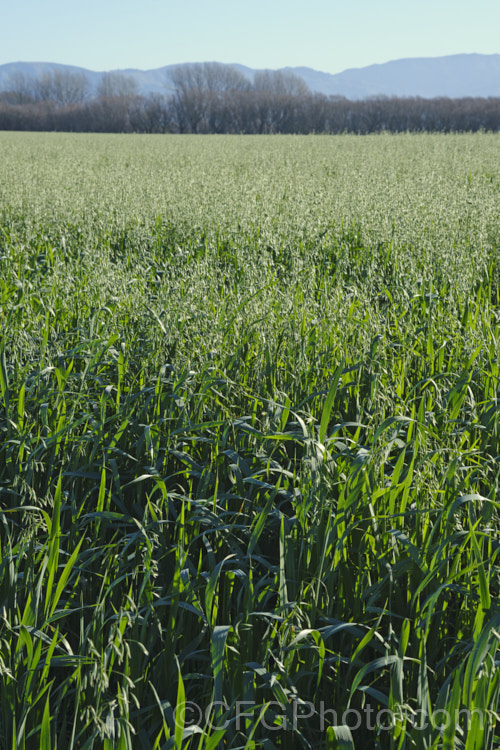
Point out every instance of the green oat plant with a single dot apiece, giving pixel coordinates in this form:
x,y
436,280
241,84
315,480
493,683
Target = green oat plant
x,y
249,442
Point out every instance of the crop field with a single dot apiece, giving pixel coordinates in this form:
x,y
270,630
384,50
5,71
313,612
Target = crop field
x,y
249,442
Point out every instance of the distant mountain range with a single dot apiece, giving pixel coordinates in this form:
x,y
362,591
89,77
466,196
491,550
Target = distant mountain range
x,y
451,76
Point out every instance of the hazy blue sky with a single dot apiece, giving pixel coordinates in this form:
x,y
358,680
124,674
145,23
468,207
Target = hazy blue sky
x,y
328,35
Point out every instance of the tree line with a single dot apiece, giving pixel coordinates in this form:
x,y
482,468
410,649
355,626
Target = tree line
x,y
216,98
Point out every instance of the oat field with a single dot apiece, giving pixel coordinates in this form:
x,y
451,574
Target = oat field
x,y
249,442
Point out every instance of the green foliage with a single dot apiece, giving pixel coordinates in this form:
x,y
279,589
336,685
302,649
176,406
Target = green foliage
x,y
249,442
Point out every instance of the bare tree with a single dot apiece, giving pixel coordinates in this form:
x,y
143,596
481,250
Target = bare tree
x,y
20,89
280,82
63,87
200,100
117,85
208,76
